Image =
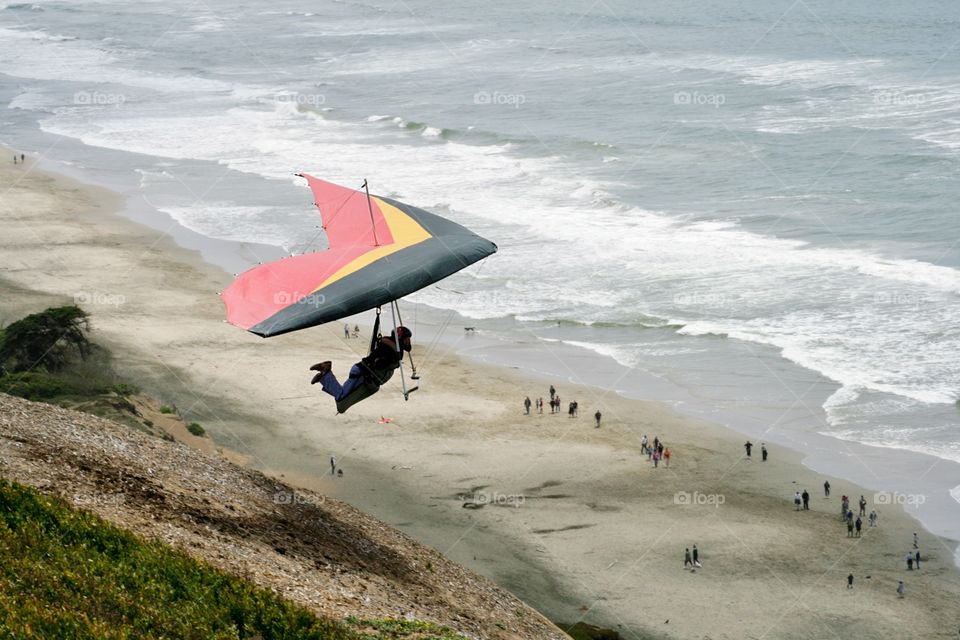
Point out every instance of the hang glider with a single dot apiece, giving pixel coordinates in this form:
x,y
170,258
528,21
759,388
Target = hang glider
x,y
380,250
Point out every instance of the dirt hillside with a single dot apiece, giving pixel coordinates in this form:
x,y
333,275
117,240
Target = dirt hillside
x,y
316,551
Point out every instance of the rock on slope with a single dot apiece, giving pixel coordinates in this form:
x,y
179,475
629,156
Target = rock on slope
x,y
316,551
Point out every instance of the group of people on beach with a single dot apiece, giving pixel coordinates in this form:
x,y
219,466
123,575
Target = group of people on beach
x,y
854,529
656,451
573,409
22,159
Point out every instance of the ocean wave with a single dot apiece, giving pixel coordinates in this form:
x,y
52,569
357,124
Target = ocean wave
x,y
925,440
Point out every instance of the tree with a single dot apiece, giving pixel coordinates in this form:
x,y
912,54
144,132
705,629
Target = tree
x,y
45,340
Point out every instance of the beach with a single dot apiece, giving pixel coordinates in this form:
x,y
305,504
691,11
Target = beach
x,y
571,518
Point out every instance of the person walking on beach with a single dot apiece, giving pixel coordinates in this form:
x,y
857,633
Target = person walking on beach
x,y
850,516
333,465
863,506
826,489
796,501
696,556
763,451
656,459
666,462
909,561
526,405
14,158
849,529
643,444
850,581
916,542
806,500
844,507
901,590
858,524
686,558
570,410
748,446
916,559
540,406
553,392
597,417
873,517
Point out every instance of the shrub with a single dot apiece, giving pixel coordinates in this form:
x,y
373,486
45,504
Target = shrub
x,y
34,385
124,389
65,573
45,340
196,429
166,409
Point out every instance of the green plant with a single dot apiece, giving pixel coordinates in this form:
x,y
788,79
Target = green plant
x,y
65,574
397,628
125,389
196,429
35,385
166,409
45,340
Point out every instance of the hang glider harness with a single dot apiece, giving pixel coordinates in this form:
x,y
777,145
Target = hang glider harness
x,y
371,383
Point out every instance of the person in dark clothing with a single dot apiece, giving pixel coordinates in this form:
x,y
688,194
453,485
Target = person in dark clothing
x,y
850,581
597,417
749,447
863,506
763,451
696,557
859,525
806,500
826,489
916,559
374,370
686,558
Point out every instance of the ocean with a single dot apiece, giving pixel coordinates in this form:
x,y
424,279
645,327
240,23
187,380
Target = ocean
x,y
747,210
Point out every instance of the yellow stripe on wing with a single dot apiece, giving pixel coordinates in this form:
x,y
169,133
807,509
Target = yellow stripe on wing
x,y
405,230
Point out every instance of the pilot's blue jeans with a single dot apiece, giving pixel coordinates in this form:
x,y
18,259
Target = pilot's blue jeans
x,y
339,391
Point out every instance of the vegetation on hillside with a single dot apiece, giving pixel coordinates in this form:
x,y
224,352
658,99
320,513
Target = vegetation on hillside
x,y
65,573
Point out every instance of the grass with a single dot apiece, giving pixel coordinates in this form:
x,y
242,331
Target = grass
x,y
397,628
65,573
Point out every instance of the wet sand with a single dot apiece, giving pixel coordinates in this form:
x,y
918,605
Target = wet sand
x,y
570,517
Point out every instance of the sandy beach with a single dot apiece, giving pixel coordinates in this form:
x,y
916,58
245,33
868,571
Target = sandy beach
x,y
571,518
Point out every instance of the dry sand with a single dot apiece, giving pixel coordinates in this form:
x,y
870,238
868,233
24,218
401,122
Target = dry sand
x,y
575,521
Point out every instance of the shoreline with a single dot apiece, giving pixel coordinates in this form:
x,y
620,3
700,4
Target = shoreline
x,y
905,473
589,501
